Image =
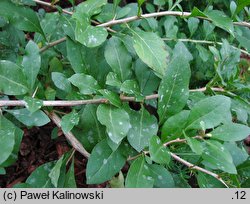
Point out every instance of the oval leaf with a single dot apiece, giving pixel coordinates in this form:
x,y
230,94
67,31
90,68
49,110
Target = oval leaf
x,y
69,121
118,58
103,163
139,175
173,127
61,81
86,83
7,138
231,132
38,118
158,152
174,89
12,79
144,126
33,104
152,50
209,113
116,120
31,63
216,156
162,177
40,177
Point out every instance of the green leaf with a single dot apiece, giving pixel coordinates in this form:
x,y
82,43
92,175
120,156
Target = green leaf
x,y
116,121
118,58
76,53
174,126
147,80
195,145
113,98
160,2
144,126
193,24
88,35
241,4
241,108
12,79
92,131
170,27
131,87
38,118
2,171
217,157
68,26
207,181
18,133
113,80
244,169
86,83
103,163
221,20
70,181
61,81
239,155
217,17
140,2
33,104
7,138
231,132
162,177
56,171
31,63
209,113
208,28
174,89
139,175
40,177
117,182
203,53
91,7
181,51
69,121
21,17
158,152
152,50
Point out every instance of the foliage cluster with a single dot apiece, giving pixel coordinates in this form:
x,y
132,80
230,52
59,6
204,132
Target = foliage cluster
x,y
185,63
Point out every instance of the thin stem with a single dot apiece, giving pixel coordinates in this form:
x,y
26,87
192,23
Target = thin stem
x,y
205,42
70,137
70,157
69,12
163,13
192,166
92,101
52,44
132,18
186,163
52,6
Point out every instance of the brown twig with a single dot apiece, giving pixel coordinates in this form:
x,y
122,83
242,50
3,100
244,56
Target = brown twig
x,y
132,18
186,163
52,44
162,13
92,101
52,6
70,137
205,42
192,166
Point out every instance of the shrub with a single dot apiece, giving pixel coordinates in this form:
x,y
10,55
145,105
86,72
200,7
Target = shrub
x,y
153,93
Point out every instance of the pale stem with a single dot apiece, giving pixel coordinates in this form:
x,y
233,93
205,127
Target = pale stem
x,y
70,137
92,101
